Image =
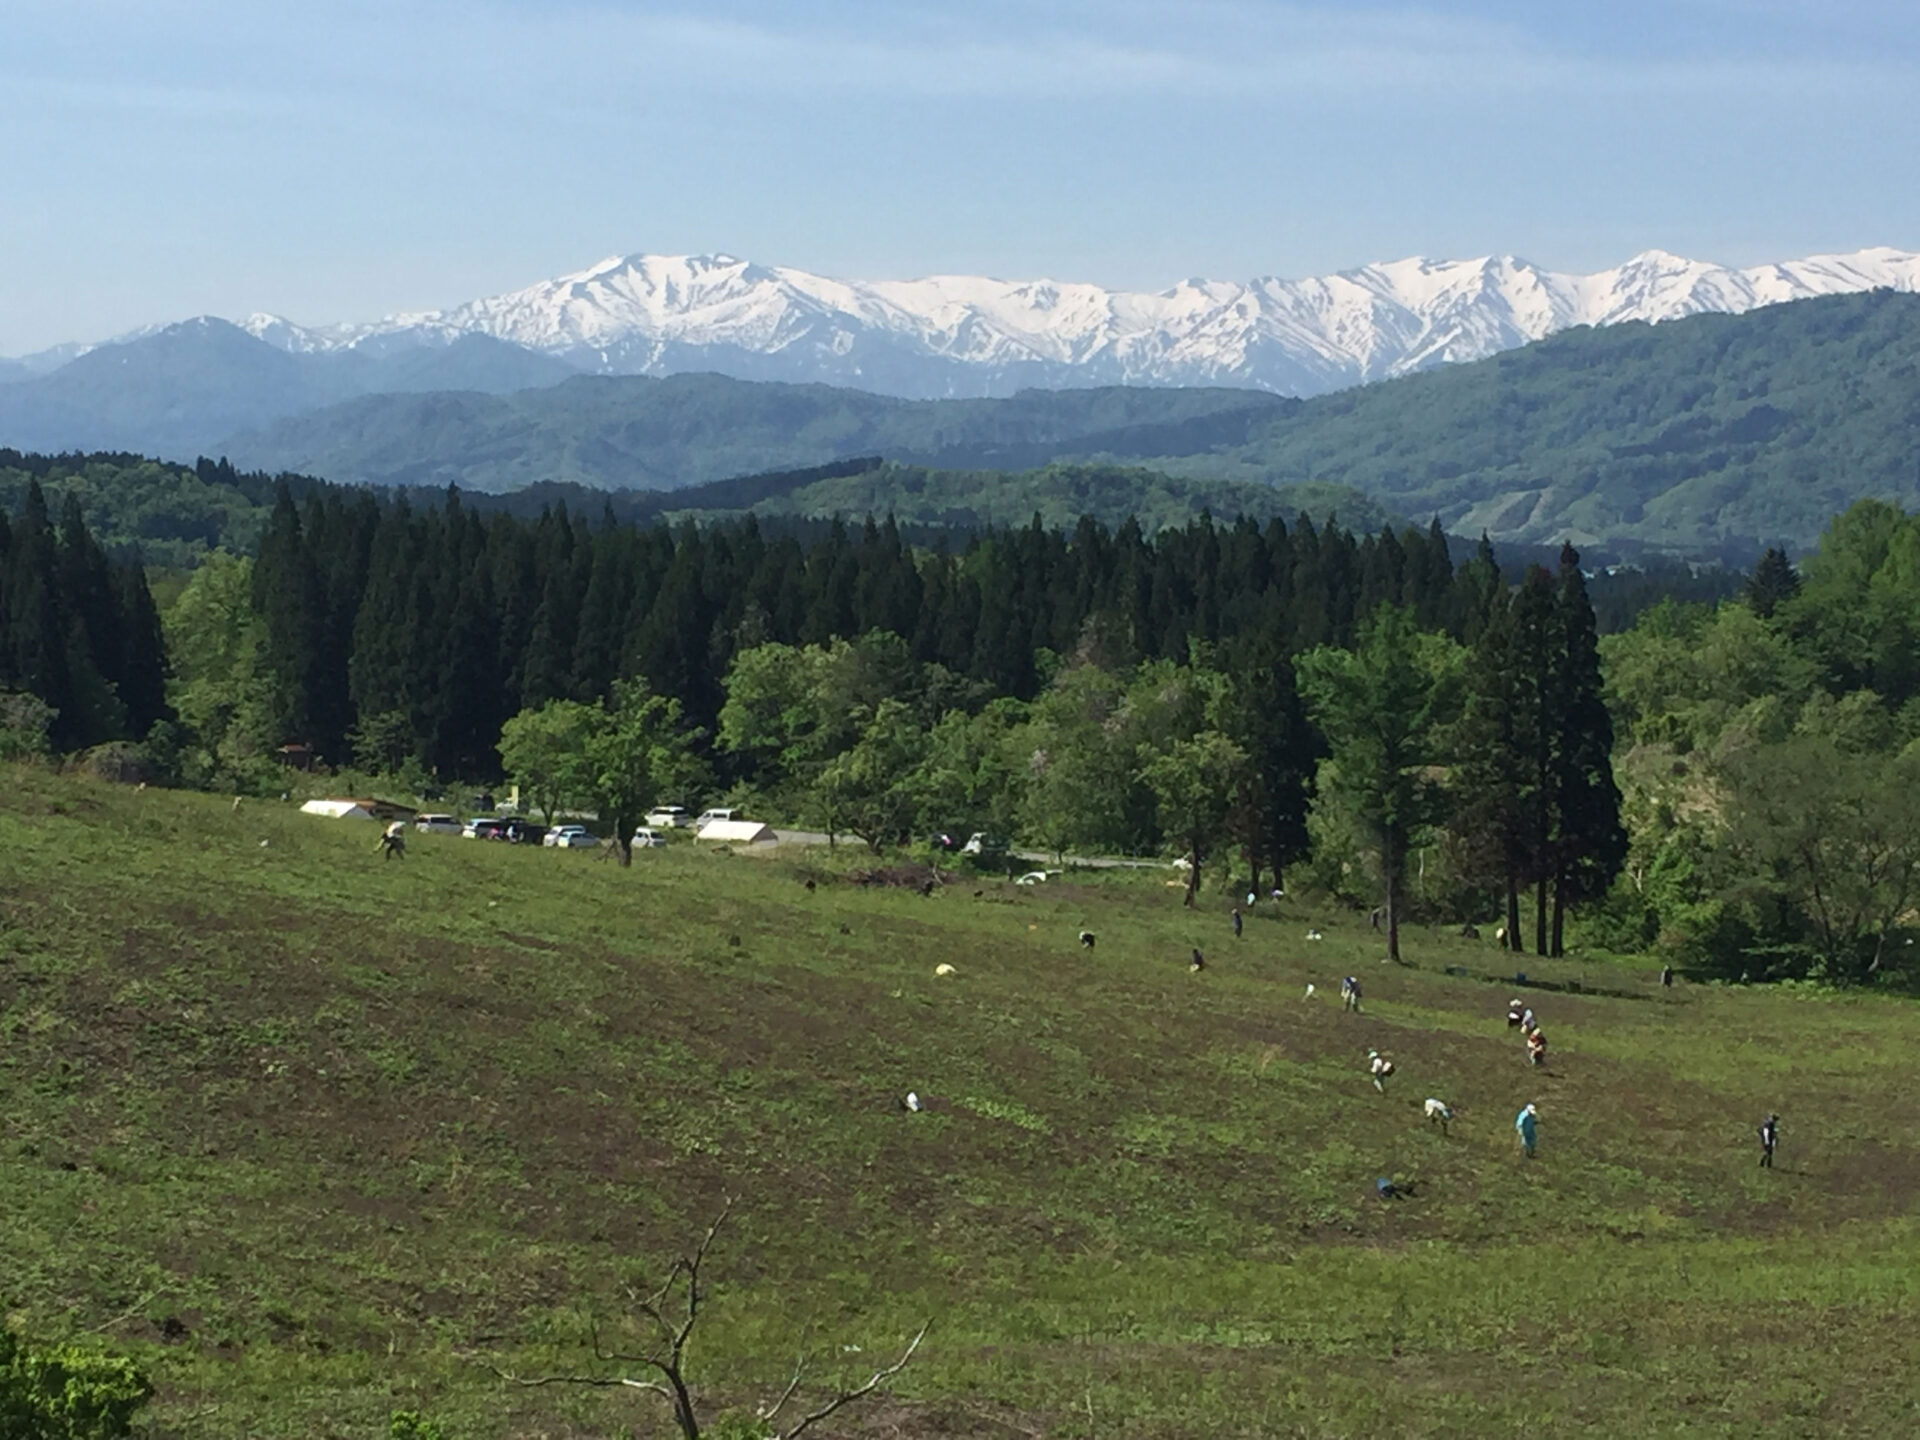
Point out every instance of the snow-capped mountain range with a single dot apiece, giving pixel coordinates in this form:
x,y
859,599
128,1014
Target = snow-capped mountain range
x,y
965,335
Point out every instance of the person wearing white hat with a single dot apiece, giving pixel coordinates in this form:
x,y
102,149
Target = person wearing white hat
x,y
1523,1125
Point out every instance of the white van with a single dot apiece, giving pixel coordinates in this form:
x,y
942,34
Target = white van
x,y
666,817
646,838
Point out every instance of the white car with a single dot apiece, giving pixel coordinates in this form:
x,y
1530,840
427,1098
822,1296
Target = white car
x,y
666,817
436,824
707,817
570,837
646,838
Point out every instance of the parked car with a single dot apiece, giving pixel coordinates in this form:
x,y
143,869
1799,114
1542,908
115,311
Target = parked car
x,y
707,817
437,824
520,832
482,827
570,837
646,838
667,817
981,843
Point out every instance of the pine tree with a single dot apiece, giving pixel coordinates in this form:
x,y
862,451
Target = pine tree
x,y
36,642
1536,728
1774,582
288,598
1269,723
143,662
1590,844
1495,775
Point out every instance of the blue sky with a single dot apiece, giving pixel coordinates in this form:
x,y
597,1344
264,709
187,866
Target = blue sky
x,y
161,158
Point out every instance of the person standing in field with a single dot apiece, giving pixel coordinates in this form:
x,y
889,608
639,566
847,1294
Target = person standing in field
x,y
1769,1137
1523,1124
1236,922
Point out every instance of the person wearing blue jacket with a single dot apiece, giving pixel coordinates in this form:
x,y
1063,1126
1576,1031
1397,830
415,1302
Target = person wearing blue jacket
x,y
1523,1123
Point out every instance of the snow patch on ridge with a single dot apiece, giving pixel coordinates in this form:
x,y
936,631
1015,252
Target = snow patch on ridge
x,y
972,334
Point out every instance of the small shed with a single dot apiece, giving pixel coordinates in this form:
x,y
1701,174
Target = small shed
x,y
736,832
339,809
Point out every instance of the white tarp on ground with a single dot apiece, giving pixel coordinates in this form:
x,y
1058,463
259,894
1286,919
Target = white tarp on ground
x,y
338,809
736,832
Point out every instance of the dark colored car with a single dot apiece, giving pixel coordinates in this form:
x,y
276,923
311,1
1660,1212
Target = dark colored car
x,y
520,832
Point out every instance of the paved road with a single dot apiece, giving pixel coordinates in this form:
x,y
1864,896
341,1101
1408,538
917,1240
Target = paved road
x,y
1039,860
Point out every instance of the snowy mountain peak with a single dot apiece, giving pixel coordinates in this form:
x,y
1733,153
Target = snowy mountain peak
x,y
964,334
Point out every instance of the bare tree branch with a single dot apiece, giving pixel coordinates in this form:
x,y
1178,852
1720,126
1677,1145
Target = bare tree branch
x,y
847,1397
768,1413
669,1357
603,1382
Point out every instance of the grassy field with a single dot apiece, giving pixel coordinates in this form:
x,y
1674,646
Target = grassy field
x,y
316,1138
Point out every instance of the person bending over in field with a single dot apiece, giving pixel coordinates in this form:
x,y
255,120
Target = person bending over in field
x,y
393,842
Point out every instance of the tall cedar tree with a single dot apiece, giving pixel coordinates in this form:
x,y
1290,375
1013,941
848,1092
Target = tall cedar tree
x,y
1269,722
288,598
1493,781
1774,582
78,630
1537,724
36,646
1590,843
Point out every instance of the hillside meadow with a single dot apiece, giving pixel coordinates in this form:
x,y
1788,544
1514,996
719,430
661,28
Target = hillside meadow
x,y
316,1138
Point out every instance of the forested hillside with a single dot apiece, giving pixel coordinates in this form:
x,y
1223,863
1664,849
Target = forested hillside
x,y
174,514
1703,436
635,432
1710,436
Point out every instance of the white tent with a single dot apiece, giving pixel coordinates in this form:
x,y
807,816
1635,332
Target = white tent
x,y
736,832
338,809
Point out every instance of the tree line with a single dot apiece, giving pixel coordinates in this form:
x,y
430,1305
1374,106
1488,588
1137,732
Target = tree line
x,y
1720,782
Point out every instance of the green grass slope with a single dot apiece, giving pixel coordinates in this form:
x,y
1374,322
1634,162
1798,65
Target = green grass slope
x,y
313,1136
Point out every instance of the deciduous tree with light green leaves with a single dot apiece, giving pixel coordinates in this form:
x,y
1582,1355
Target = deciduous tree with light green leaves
x,y
638,750
870,785
545,751
1384,707
1839,834
1195,780
218,687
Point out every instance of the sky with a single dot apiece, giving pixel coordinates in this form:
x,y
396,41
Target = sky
x,y
342,161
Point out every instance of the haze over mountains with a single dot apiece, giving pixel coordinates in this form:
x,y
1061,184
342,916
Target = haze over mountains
x,y
1716,430
187,387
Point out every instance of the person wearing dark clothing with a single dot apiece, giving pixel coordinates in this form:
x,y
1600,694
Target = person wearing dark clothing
x,y
1666,977
1236,922
1769,1137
